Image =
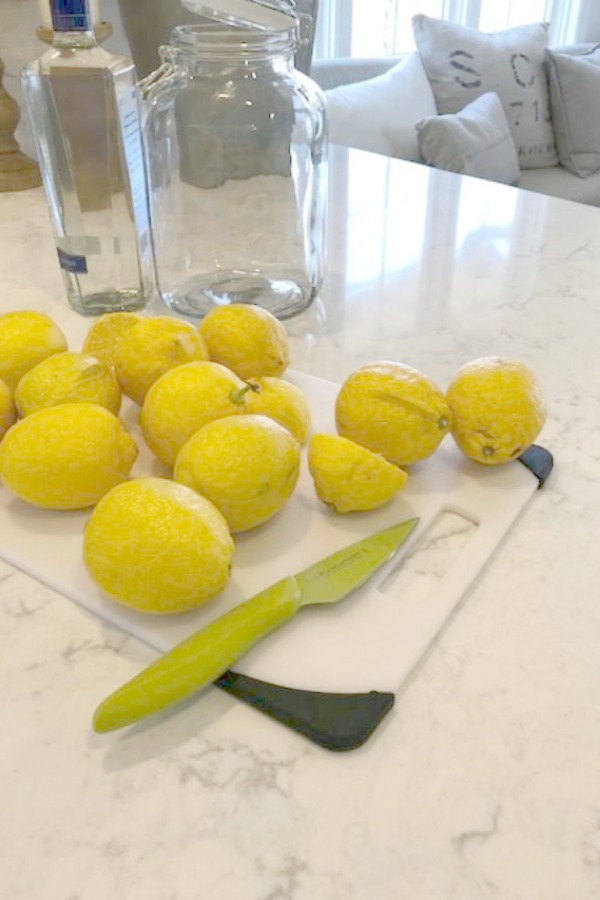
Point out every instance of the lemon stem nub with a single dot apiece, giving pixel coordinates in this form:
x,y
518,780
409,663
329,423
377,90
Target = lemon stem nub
x,y
239,394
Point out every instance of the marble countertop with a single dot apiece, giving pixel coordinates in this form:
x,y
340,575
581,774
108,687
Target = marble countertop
x,y
484,781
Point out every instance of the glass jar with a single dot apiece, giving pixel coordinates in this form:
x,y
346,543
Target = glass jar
x,y
235,142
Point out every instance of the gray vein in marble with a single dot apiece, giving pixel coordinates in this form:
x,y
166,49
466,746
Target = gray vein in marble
x,y
481,835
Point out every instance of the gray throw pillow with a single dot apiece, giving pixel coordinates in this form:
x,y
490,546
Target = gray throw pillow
x,y
462,64
575,100
475,141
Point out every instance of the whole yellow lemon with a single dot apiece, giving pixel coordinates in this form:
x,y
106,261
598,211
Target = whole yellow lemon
x,y
350,478
247,465
26,338
497,407
157,546
184,399
152,347
105,331
67,456
393,409
8,412
280,400
247,339
67,377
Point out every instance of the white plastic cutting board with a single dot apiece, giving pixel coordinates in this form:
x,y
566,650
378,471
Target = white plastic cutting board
x,y
369,641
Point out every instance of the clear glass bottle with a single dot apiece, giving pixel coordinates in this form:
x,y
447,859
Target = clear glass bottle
x,y
235,142
83,105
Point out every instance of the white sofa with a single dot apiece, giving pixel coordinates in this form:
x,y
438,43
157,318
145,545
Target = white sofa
x,y
375,104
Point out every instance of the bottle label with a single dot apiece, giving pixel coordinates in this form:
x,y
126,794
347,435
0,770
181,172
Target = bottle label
x,y
134,156
71,15
72,262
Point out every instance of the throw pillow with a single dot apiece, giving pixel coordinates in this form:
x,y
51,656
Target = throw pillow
x,y
575,101
463,63
380,114
475,141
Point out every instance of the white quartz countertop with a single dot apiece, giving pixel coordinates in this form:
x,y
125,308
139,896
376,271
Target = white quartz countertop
x,y
484,780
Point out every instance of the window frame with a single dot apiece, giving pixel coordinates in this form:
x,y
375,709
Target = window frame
x,y
571,21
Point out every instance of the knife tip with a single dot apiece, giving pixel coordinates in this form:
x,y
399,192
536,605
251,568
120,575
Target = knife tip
x,y
103,722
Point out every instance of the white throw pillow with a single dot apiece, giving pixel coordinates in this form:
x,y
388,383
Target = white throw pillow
x,y
575,101
462,64
475,141
380,114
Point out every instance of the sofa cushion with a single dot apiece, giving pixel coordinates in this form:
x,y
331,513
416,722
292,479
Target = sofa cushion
x,y
462,63
575,101
380,114
559,182
475,141
341,70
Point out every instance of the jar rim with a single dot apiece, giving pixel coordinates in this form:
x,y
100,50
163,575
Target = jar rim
x,y
219,39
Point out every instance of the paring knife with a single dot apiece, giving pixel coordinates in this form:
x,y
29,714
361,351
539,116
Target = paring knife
x,y
203,657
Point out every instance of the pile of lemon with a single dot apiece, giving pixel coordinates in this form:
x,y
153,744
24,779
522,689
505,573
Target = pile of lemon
x,y
227,430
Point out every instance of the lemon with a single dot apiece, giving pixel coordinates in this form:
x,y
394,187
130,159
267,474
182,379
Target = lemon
x,y
497,407
247,339
280,400
105,331
184,399
67,377
8,412
246,465
150,348
26,338
157,546
392,409
67,456
349,477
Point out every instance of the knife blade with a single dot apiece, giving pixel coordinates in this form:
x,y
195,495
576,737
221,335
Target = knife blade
x,y
205,655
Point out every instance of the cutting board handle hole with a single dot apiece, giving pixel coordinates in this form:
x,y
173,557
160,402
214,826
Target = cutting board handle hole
x,y
437,549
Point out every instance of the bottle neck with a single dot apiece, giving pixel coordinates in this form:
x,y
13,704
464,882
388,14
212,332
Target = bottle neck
x,y
68,39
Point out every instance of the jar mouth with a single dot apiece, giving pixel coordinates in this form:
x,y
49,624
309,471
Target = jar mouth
x,y
220,40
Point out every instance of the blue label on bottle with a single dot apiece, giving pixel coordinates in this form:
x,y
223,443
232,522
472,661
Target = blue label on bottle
x,y
71,15
72,262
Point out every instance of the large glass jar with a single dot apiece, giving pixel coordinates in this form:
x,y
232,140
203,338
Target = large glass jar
x,y
235,142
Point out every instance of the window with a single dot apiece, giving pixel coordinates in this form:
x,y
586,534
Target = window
x,y
383,27
495,16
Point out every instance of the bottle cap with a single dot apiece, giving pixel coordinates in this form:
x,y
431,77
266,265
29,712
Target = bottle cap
x,y
70,15
268,15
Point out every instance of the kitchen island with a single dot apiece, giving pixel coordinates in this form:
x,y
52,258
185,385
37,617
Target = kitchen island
x,y
484,779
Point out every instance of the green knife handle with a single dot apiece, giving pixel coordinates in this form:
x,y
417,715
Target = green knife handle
x,y
201,658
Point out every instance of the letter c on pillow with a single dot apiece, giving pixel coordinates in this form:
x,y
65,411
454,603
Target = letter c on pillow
x,y
520,75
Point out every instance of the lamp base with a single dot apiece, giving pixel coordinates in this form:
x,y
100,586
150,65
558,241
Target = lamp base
x,y
18,172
